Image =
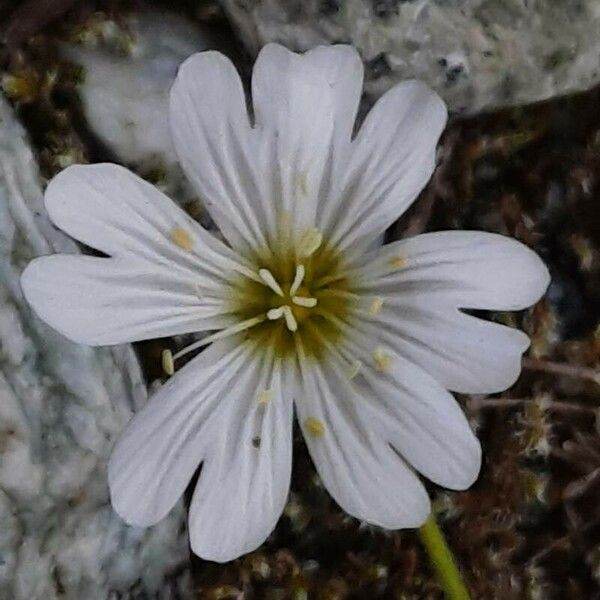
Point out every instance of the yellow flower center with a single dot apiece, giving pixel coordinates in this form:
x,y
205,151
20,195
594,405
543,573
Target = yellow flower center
x,y
297,300
301,296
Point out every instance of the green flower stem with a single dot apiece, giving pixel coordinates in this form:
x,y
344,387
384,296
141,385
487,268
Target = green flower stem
x,y
443,561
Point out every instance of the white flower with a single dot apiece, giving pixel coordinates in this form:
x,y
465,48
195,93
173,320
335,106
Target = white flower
x,y
308,308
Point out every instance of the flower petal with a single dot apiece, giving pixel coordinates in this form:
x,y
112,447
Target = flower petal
x,y
103,301
166,276
107,207
245,478
423,422
342,429
465,354
392,158
460,269
305,107
216,145
164,443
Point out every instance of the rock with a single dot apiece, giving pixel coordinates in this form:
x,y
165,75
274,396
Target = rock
x,y
61,407
128,68
478,54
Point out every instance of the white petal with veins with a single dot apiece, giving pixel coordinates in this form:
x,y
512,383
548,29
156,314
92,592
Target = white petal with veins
x,y
357,465
103,301
164,443
304,107
216,145
391,160
463,269
149,287
245,479
464,353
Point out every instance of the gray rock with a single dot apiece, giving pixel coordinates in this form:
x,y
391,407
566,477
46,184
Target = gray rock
x,y
478,54
61,407
128,69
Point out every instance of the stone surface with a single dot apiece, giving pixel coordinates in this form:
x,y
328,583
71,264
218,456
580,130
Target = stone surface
x,y
128,68
478,54
61,407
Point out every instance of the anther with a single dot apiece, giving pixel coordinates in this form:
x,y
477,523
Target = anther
x,y
376,306
264,397
298,279
398,262
314,427
383,361
310,242
269,280
305,302
168,364
180,237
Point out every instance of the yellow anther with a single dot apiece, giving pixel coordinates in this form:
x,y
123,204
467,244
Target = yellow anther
x,y
182,238
265,397
168,364
354,369
376,306
310,242
314,427
383,361
398,262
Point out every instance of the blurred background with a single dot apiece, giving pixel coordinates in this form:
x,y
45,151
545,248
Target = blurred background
x,y
88,81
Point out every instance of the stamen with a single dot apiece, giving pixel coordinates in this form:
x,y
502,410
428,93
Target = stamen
x,y
290,320
376,306
306,302
233,329
168,364
269,280
298,279
309,242
383,361
354,369
265,397
314,427
398,262
181,238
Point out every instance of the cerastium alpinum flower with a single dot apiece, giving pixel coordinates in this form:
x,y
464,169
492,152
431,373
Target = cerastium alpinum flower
x,y
302,304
